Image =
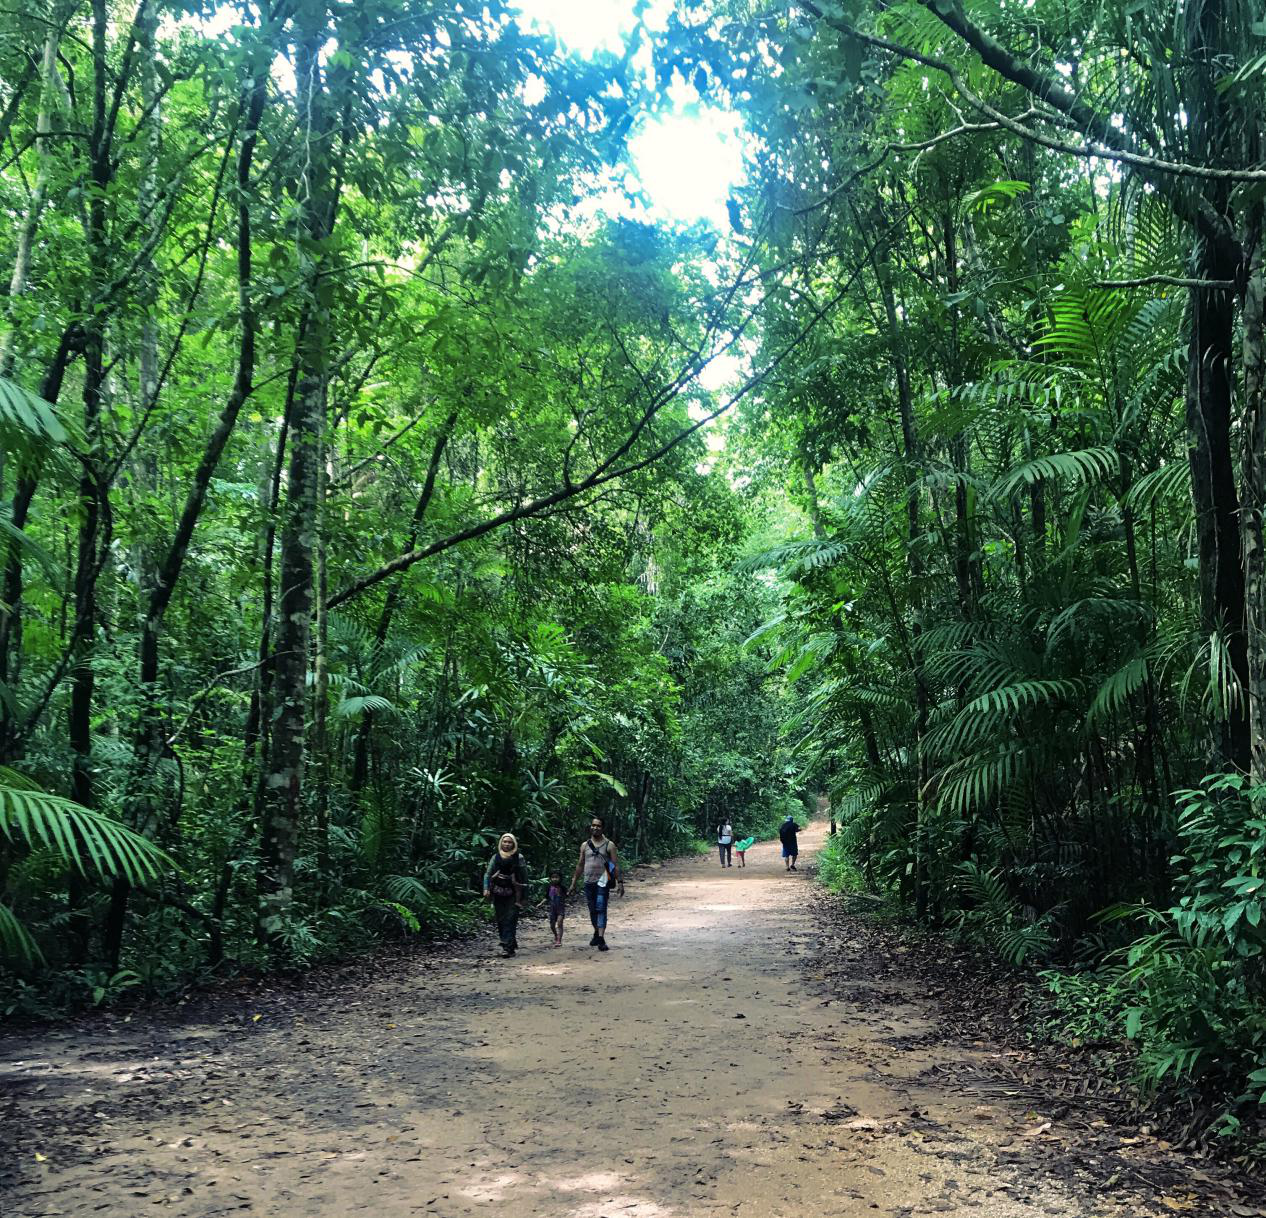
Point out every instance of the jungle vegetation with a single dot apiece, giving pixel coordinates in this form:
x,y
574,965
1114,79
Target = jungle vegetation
x,y
365,491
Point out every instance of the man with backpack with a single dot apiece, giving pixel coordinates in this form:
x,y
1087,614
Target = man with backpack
x,y
599,862
505,880
790,845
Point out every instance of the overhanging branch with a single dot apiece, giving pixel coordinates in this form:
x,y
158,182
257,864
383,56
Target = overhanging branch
x,y
605,472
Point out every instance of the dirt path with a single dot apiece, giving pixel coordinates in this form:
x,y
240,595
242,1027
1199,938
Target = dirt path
x,y
701,1067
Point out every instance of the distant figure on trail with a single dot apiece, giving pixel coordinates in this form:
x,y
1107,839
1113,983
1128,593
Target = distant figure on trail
x,y
725,842
600,864
557,898
504,883
790,845
741,848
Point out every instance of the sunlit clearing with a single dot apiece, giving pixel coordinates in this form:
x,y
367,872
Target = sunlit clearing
x,y
584,26
688,164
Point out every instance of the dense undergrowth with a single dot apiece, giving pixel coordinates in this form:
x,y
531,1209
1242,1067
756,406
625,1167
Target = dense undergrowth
x,y
1169,999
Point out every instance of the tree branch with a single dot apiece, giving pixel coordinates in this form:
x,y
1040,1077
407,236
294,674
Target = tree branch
x,y
604,473
1175,281
1107,143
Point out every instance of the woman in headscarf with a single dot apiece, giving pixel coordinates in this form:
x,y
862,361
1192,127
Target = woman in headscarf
x,y
505,881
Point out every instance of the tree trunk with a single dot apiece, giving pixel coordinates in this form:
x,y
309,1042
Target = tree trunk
x,y
283,780
35,207
1209,386
82,640
1253,509
321,687
912,464
1221,574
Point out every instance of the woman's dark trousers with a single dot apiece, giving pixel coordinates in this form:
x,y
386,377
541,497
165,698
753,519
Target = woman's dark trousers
x,y
507,921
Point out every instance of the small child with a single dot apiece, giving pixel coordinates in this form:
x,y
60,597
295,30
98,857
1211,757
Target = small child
x,y
741,849
557,897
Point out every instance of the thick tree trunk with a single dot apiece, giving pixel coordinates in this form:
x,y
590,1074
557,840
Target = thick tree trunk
x,y
1217,508
1210,377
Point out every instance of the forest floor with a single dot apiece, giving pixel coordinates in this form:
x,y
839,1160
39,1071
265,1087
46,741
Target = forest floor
x,y
740,1051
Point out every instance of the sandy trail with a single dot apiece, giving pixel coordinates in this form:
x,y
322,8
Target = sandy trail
x,y
698,1068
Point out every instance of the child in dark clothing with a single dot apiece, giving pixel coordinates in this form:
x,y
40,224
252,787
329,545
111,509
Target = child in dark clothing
x,y
557,897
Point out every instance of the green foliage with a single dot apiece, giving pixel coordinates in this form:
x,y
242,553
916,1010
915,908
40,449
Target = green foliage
x,y
990,914
1000,613
525,598
84,840
1192,984
837,869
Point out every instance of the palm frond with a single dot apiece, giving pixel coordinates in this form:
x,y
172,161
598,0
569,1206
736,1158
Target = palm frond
x,y
1172,483
1085,466
358,704
796,556
1117,689
27,420
50,821
15,940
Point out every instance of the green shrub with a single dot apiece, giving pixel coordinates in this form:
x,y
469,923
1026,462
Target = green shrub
x,y
1196,982
838,871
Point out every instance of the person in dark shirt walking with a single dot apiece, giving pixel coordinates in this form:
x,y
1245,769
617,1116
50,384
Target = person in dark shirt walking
x,y
790,845
505,880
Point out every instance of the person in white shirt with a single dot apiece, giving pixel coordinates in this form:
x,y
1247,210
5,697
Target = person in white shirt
x,y
725,843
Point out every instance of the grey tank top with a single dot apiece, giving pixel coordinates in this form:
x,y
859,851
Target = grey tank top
x,y
596,859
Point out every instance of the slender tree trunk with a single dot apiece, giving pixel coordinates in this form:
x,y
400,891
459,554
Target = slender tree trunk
x,y
284,774
35,207
912,462
321,688
360,755
260,716
91,491
1253,508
